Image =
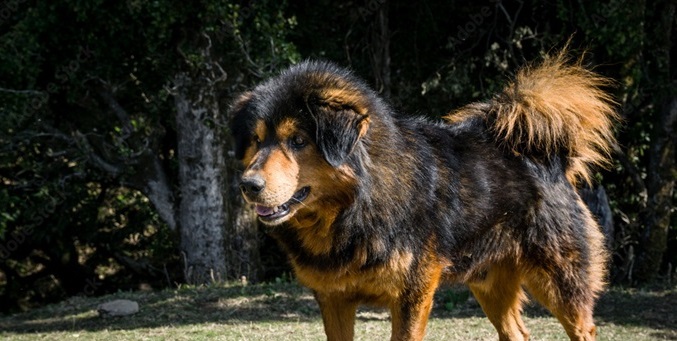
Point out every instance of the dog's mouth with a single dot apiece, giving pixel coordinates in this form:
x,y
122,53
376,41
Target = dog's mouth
x,y
277,214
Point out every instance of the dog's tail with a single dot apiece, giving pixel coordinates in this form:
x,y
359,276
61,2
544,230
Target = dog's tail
x,y
557,108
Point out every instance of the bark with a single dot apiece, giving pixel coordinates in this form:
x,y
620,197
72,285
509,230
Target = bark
x,y
157,187
244,260
662,172
202,216
218,232
662,168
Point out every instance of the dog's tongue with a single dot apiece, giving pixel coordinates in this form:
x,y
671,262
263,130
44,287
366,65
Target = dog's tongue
x,y
264,210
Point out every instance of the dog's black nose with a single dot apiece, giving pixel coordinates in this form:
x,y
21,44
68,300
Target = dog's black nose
x,y
253,184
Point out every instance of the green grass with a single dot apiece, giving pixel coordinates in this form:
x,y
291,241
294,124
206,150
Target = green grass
x,y
285,311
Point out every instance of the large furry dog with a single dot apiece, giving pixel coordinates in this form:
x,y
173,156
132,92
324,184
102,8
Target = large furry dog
x,y
377,208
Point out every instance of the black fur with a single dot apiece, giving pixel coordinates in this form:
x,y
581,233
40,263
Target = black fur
x,y
451,192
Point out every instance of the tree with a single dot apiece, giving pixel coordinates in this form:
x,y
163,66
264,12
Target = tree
x,y
129,100
662,165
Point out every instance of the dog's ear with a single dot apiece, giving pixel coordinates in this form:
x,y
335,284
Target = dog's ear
x,y
341,121
242,123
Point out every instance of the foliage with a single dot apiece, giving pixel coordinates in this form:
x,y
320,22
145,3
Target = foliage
x,y
82,102
74,217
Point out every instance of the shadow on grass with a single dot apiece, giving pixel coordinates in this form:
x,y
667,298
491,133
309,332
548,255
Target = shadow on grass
x,y
655,309
289,302
229,304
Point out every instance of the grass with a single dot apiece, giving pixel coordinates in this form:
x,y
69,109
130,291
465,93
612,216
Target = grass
x,y
286,311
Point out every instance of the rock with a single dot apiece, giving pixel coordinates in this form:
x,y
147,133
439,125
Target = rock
x,y
118,308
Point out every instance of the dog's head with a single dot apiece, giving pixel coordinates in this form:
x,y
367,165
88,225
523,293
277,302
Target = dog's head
x,y
298,136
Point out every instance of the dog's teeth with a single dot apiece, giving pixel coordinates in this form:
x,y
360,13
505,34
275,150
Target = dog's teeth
x,y
275,209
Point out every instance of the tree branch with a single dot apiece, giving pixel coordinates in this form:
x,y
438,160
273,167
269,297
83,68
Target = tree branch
x,y
159,191
153,181
94,158
122,115
23,92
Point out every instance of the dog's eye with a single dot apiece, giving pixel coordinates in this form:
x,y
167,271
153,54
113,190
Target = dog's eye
x,y
256,140
297,142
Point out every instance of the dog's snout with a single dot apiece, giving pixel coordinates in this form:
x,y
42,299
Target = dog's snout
x,y
252,184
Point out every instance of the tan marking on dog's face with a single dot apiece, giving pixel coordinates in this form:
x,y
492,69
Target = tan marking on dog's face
x,y
280,172
260,130
287,129
287,169
273,161
258,135
331,190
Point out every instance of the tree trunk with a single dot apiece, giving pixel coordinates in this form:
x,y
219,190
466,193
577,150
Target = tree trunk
x,y
242,248
661,176
202,213
662,168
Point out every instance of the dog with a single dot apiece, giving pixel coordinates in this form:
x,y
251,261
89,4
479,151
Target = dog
x,y
378,208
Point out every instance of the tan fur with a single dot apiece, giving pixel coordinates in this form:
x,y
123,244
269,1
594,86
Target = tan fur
x,y
501,296
558,106
555,106
280,171
338,316
286,129
413,327
332,191
351,281
600,256
553,109
344,96
281,185
575,317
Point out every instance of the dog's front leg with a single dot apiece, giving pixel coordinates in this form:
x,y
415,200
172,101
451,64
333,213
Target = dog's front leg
x,y
409,319
338,315
411,310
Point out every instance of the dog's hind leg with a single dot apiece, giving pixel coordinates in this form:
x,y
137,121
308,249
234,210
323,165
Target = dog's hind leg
x,y
500,294
568,280
572,306
338,315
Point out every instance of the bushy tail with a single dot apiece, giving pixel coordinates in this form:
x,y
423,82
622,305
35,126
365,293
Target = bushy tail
x,y
557,107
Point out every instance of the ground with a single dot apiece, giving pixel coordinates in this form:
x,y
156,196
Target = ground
x,y
285,311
